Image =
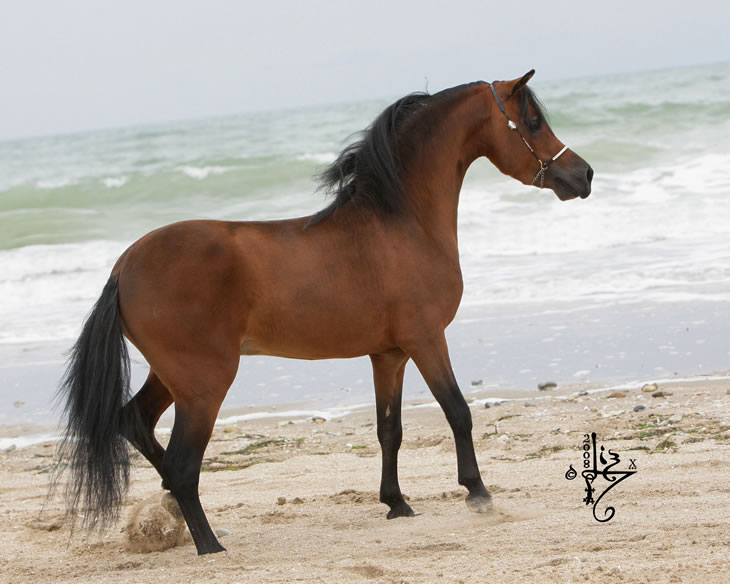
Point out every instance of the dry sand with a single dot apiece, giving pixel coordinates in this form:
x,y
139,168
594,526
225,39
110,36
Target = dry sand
x,y
298,501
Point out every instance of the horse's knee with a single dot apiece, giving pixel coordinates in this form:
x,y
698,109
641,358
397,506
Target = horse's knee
x,y
390,434
464,419
458,413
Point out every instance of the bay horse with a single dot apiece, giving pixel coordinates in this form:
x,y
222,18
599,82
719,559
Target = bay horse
x,y
374,273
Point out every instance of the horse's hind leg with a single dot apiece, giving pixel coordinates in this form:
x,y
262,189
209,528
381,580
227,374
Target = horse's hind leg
x,y
388,369
181,467
432,360
141,415
198,386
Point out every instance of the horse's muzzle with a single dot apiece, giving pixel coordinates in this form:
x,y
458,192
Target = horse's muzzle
x,y
571,181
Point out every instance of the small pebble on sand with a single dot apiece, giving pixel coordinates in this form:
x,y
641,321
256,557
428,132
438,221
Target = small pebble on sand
x,y
639,408
649,387
547,386
617,394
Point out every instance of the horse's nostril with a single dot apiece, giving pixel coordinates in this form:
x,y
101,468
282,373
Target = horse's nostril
x,y
589,174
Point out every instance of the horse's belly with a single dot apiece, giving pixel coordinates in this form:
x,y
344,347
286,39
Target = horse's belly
x,y
310,350
312,340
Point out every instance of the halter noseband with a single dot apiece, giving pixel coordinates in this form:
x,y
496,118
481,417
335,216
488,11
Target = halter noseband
x,y
512,126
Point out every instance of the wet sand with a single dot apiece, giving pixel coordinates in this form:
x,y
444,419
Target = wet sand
x,y
297,500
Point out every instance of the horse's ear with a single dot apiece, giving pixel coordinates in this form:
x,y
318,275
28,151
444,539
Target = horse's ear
x,y
518,84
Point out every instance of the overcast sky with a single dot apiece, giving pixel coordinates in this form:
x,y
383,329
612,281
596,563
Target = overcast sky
x,y
71,65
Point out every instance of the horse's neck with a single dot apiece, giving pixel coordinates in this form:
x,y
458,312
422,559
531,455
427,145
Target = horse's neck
x,y
435,169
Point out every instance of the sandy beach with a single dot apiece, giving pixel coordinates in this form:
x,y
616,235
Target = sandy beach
x,y
296,499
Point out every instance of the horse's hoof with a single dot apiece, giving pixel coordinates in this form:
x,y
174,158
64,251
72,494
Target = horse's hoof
x,y
211,549
480,503
402,509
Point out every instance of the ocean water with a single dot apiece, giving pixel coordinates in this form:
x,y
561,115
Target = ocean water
x,y
632,282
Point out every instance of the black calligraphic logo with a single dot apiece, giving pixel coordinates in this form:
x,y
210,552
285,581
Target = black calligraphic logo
x,y
591,457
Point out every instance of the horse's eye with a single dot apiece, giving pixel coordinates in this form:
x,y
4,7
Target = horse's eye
x,y
533,124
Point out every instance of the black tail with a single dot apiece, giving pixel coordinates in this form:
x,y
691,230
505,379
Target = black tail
x,y
96,387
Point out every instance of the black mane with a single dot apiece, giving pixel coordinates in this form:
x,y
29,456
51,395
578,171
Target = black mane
x,y
367,172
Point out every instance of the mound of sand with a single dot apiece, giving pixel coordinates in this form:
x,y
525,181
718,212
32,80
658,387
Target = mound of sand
x,y
155,525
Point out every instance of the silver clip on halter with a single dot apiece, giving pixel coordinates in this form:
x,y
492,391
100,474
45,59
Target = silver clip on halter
x,y
512,126
544,167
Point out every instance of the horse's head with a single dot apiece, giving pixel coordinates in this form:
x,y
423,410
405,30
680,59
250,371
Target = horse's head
x,y
523,146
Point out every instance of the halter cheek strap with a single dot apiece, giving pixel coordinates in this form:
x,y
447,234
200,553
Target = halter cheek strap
x,y
540,176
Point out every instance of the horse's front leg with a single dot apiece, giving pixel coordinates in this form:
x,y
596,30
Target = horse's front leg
x,y
432,360
388,369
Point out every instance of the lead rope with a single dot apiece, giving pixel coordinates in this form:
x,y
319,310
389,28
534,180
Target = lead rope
x,y
512,126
